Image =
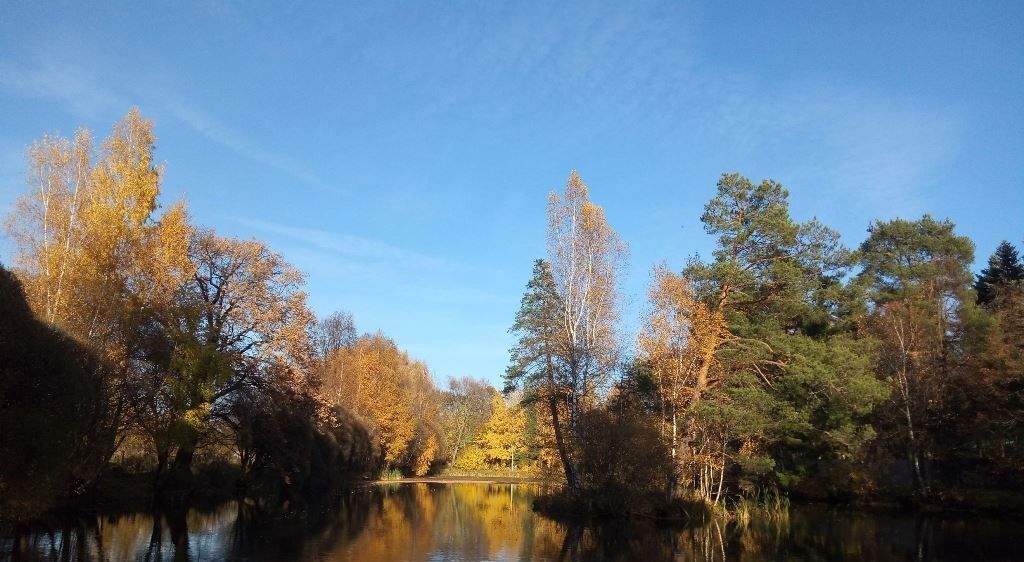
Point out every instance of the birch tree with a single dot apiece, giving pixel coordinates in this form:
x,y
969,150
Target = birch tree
x,y
586,258
95,256
678,341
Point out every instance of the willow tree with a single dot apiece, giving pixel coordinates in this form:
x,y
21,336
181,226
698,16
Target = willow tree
x,y
239,326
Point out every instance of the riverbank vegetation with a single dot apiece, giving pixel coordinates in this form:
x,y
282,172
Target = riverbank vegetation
x,y
140,350
141,353
785,364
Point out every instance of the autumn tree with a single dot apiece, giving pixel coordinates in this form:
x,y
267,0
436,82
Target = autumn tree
x,y
586,257
983,413
240,324
677,341
95,256
504,434
393,394
465,407
566,326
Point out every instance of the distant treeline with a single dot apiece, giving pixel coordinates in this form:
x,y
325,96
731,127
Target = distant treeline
x,y
135,344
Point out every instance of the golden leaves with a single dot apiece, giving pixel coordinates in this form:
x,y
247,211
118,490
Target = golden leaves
x,y
393,393
500,439
680,336
90,251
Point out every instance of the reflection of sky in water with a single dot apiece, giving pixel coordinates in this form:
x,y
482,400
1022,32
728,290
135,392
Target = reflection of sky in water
x,y
476,522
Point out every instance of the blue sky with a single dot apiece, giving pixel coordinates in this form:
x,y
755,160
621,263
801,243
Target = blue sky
x,y
401,153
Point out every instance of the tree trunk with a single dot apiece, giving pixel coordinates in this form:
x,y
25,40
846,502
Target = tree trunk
x,y
570,471
915,457
179,476
162,454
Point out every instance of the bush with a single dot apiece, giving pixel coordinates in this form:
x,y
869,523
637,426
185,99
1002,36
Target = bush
x,y
52,410
292,451
623,455
625,470
391,474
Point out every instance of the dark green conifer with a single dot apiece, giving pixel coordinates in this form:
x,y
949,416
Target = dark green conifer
x,y
1004,268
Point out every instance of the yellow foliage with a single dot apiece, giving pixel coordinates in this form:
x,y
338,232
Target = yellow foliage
x,y
393,393
471,458
679,340
500,440
586,256
90,251
426,456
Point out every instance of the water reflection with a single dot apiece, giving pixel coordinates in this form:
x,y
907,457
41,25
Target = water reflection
x,y
469,522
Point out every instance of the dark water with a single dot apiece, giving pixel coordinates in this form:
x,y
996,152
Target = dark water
x,y
471,522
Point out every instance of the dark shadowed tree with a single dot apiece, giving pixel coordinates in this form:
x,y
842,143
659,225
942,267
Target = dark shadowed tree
x,y
52,409
333,332
917,276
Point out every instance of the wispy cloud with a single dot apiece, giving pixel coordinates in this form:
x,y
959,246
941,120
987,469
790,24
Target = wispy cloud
x,y
876,147
366,249
85,89
240,144
376,266
647,68
51,79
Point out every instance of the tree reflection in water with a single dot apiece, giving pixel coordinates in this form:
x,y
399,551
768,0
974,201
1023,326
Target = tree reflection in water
x,y
469,522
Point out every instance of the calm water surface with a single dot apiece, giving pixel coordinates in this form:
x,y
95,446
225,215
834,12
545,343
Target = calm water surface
x,y
477,522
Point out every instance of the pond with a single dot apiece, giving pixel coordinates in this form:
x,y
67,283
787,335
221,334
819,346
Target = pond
x,y
477,522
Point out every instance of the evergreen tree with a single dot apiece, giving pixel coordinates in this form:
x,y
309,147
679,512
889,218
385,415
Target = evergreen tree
x,y
1004,268
917,275
783,383
534,363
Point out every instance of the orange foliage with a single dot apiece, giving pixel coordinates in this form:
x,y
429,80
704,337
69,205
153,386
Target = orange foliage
x,y
393,393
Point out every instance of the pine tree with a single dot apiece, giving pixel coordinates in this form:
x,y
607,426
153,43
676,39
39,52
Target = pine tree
x,y
1004,268
534,365
916,274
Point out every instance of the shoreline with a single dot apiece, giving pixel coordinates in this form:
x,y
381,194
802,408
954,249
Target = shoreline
x,y
459,480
